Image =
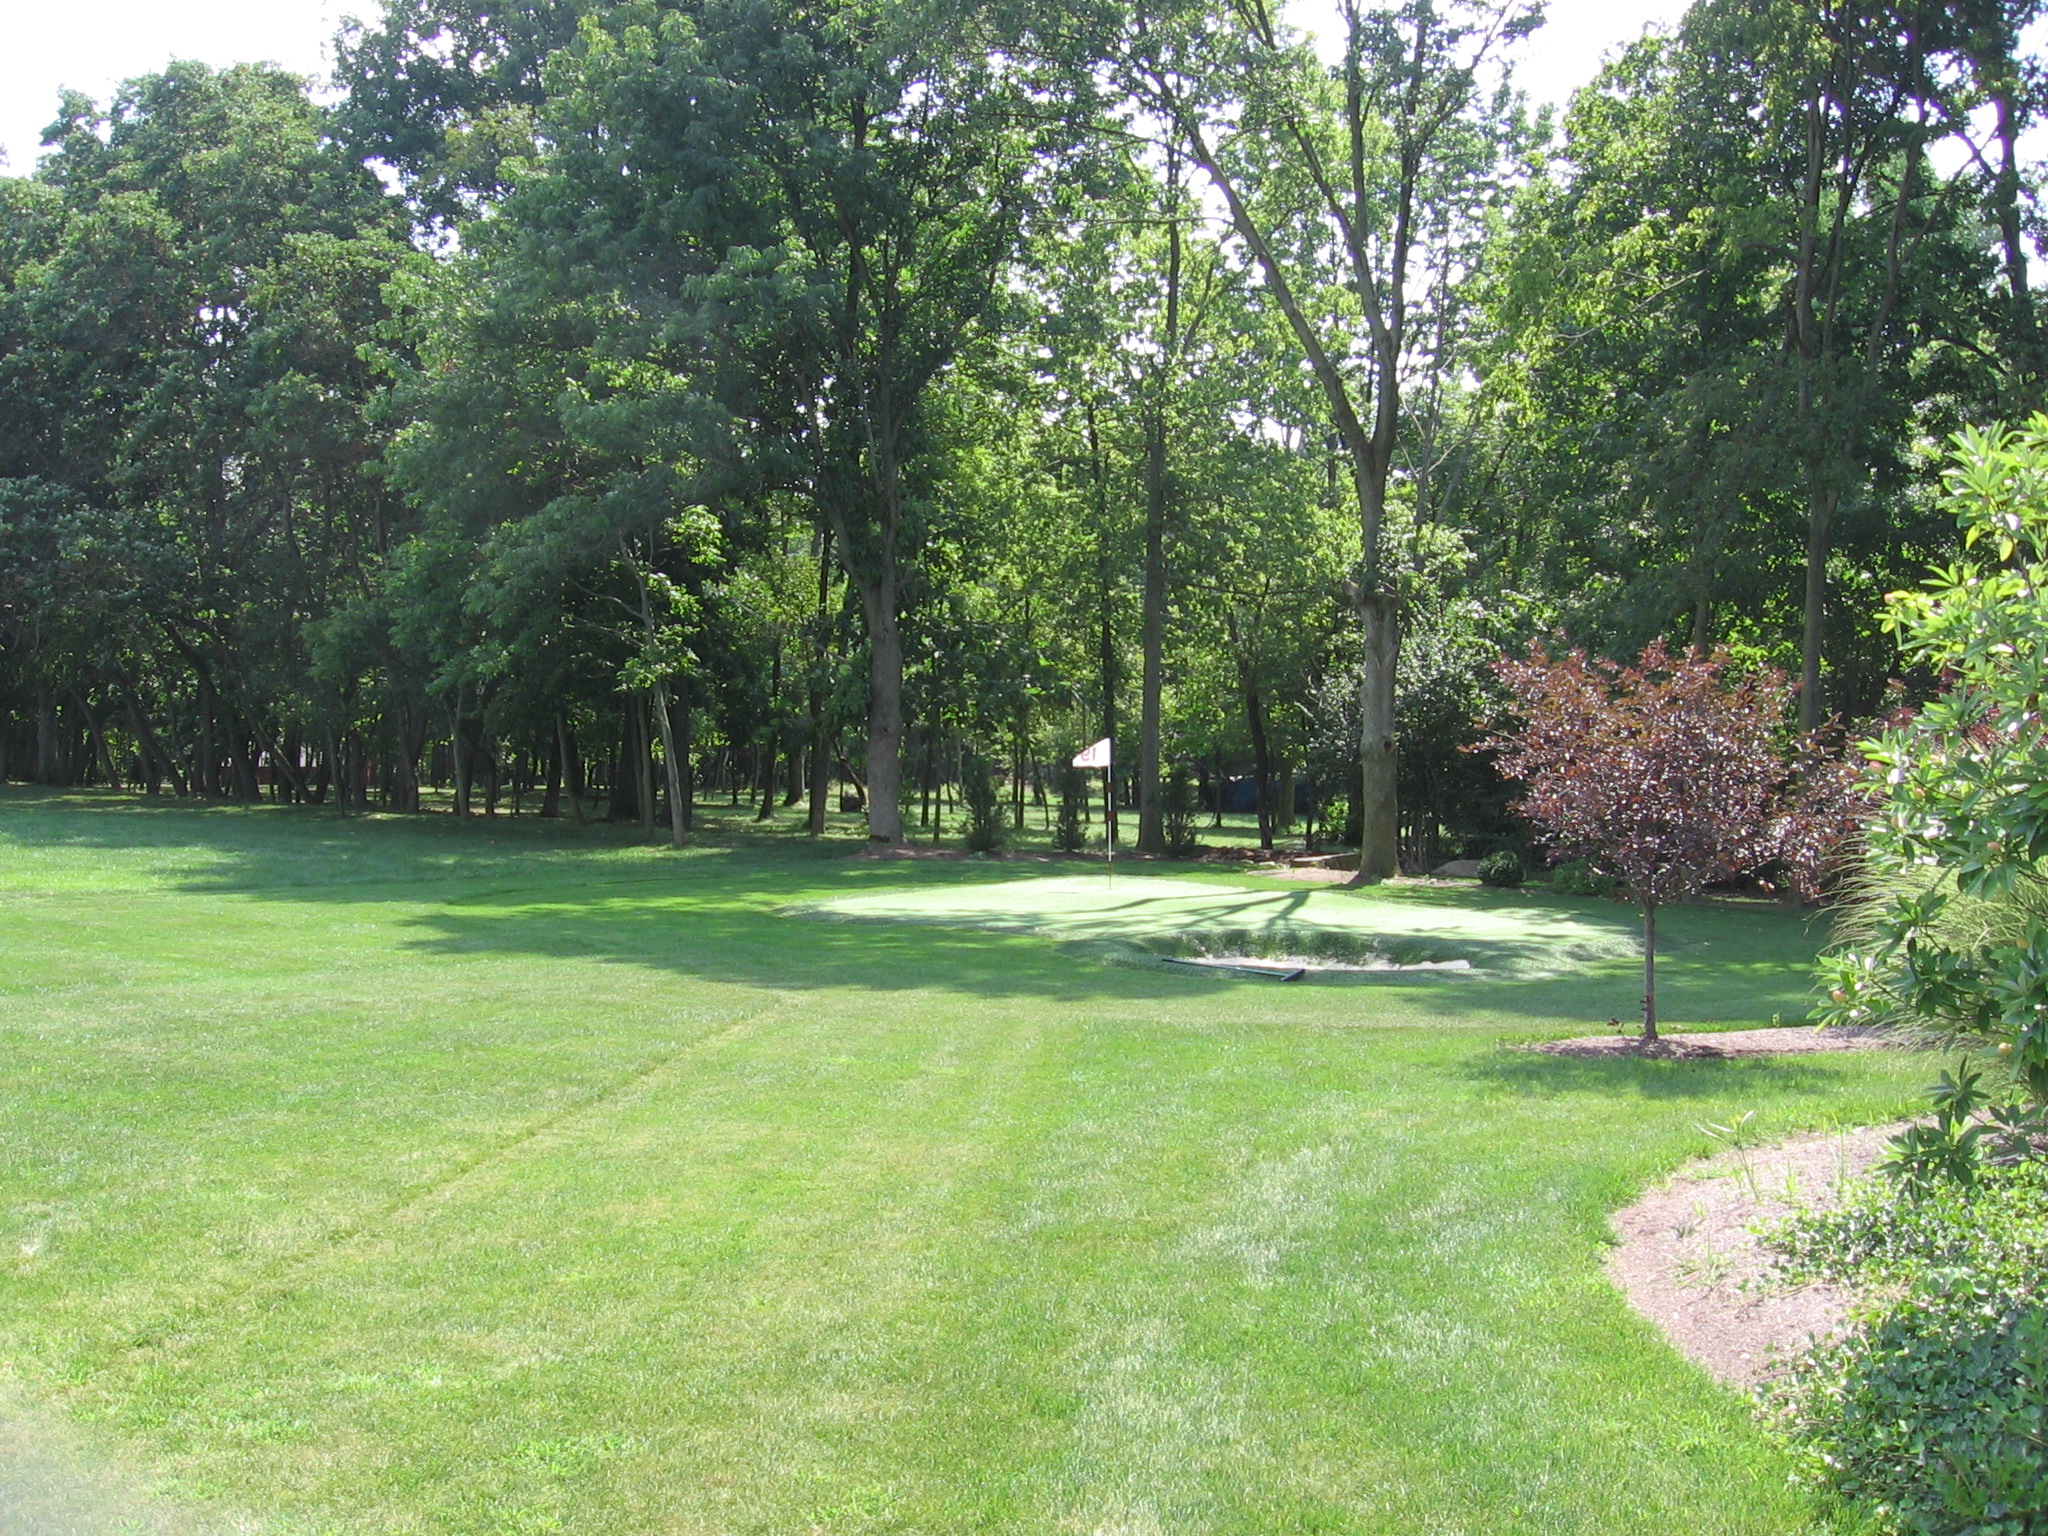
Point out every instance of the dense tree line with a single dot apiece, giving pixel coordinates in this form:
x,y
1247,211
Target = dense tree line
x,y
609,401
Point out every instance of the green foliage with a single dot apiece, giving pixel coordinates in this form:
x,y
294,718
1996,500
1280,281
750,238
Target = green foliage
x,y
1578,877
988,827
1948,1148
1180,808
1069,835
1933,1406
1501,870
1949,938
1445,688
1662,417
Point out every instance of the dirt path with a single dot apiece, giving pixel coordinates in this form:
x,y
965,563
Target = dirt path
x,y
1684,1252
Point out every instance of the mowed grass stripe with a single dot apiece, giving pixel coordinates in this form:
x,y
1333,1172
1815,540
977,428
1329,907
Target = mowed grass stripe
x,y
897,1228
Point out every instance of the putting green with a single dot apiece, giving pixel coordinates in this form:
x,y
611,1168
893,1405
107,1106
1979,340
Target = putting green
x,y
1153,916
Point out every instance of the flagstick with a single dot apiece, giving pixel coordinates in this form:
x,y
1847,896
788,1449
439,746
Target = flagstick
x,y
1103,755
1109,819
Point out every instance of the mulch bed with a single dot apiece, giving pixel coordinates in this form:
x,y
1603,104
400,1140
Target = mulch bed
x,y
1790,1040
1686,1257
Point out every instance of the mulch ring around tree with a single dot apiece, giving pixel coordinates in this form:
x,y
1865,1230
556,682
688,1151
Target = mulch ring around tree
x,y
1788,1040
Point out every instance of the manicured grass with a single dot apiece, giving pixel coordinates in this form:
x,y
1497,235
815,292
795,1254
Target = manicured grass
x,y
394,1176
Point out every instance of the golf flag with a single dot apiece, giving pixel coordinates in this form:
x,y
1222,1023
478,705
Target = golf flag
x,y
1096,756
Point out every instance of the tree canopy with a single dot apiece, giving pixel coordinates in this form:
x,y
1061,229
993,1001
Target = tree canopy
x,y
620,401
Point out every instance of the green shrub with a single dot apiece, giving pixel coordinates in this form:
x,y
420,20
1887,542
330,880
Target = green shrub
x,y
1502,870
987,827
1945,937
1577,877
1067,835
1337,823
1181,841
1932,1408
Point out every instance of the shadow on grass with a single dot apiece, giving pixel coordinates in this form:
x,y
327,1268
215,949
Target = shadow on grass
x,y
721,929
1541,1073
526,886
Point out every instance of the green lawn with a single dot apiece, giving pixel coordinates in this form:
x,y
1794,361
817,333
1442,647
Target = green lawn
x,y
395,1176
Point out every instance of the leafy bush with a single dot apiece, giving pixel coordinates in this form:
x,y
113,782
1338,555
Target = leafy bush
x,y
1181,841
1577,877
1933,1407
1067,835
1337,822
1502,870
1946,939
987,828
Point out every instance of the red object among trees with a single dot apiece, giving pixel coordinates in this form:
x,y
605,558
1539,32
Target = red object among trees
x,y
1666,774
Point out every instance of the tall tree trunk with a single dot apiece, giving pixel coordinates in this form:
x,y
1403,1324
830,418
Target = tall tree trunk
x,y
1151,811
674,769
643,762
1813,633
821,752
1017,764
770,750
1255,724
551,795
2007,193
1106,641
878,586
49,754
412,741
1108,659
1379,848
459,749
820,764
682,728
1370,451
766,759
929,779
97,755
885,715
209,751
246,786
571,779
1262,762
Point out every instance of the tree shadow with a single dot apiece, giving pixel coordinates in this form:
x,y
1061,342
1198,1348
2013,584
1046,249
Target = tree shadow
x,y
1530,1073
703,938
726,909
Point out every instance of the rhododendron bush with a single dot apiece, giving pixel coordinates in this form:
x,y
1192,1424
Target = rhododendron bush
x,y
1953,935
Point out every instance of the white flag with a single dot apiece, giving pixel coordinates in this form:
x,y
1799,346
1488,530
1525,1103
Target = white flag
x,y
1096,756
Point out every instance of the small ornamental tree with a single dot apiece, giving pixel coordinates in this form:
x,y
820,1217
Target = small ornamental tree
x,y
1666,774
